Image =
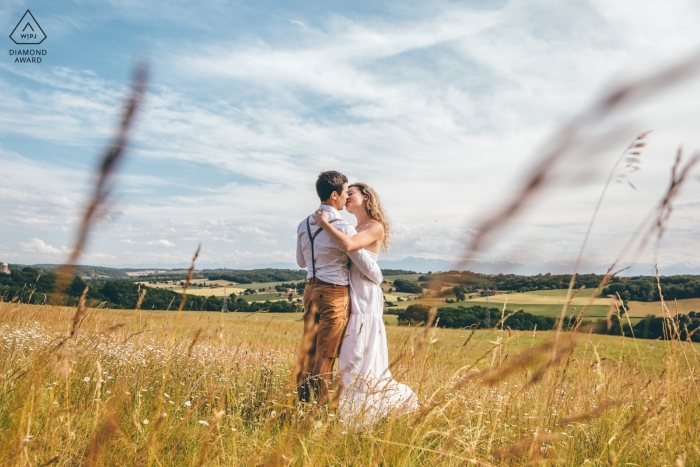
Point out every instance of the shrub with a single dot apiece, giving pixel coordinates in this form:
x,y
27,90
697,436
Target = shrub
x,y
414,314
402,285
284,307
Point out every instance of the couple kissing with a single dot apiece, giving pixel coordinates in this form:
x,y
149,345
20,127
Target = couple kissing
x,y
344,303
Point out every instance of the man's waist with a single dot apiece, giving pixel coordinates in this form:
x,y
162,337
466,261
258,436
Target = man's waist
x,y
317,281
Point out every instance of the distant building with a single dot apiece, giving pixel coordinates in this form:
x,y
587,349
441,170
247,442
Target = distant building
x,y
5,268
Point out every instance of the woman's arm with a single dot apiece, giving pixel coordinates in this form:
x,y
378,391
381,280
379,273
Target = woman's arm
x,y
346,243
367,265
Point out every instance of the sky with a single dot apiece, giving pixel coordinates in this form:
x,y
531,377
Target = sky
x,y
442,107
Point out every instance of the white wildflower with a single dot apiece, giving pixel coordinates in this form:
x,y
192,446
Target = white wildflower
x,y
187,404
86,379
202,422
145,422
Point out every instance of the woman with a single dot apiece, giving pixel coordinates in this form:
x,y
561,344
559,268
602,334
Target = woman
x,y
368,389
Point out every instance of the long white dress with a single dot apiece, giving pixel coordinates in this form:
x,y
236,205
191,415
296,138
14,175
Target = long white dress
x,y
368,390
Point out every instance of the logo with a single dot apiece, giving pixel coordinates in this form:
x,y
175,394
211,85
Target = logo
x,y
28,31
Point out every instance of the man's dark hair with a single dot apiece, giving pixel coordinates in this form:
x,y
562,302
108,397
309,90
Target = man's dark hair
x,y
328,182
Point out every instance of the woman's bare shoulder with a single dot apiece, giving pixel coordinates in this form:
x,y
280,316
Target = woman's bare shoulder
x,y
370,224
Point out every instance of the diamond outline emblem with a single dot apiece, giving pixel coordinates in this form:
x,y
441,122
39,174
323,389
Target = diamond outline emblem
x,y
29,23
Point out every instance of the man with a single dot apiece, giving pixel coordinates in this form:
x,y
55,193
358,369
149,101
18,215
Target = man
x,y
326,298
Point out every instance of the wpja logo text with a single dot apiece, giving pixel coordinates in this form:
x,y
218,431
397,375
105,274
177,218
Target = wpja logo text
x,y
28,55
28,32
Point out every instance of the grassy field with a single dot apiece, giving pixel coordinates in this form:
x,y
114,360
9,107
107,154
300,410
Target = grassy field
x,y
654,308
122,387
540,302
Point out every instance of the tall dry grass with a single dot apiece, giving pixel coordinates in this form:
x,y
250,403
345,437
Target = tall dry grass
x,y
122,391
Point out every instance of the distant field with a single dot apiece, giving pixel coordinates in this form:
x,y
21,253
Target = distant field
x,y
539,302
654,308
410,277
208,292
216,288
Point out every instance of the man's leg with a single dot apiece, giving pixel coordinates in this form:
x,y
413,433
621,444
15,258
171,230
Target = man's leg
x,y
333,318
323,373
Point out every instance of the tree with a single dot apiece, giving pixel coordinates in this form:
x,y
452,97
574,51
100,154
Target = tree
x,y
402,285
414,314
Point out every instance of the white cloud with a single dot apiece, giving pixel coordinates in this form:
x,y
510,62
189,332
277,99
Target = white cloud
x,y
160,242
36,245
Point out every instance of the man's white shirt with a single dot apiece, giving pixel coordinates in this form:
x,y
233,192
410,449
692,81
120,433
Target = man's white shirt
x,y
331,261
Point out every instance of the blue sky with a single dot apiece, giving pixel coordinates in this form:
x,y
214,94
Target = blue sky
x,y
438,105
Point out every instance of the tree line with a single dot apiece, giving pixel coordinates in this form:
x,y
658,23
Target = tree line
x,y
256,275
31,285
682,327
654,327
638,288
646,289
464,317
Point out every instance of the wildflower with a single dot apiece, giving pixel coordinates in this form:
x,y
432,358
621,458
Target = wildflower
x,y
165,394
273,413
145,422
86,379
202,422
187,404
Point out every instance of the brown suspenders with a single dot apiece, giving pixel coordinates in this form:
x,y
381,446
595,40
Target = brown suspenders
x,y
313,237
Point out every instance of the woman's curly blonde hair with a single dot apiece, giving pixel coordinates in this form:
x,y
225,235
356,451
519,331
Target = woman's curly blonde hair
x,y
375,210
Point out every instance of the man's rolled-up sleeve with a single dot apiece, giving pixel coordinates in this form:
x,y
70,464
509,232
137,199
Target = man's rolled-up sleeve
x,y
301,261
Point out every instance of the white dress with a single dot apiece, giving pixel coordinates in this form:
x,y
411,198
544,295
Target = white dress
x,y
368,390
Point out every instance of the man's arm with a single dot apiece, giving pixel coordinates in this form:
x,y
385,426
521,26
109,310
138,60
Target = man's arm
x,y
301,261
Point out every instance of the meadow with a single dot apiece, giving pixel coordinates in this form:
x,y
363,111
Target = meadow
x,y
132,387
